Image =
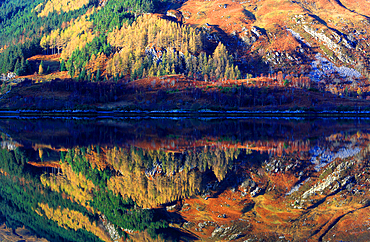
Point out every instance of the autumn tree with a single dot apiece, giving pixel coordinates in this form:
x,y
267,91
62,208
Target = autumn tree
x,y
41,68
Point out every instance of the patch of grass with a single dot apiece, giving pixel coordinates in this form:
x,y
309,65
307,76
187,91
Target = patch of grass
x,y
326,173
201,14
200,207
327,51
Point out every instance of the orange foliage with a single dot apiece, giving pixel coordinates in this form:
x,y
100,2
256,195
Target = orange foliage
x,y
97,63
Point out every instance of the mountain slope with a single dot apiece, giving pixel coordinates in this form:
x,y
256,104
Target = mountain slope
x,y
287,34
122,41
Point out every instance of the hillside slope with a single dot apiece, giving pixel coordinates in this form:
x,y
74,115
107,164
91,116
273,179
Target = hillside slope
x,y
288,35
122,41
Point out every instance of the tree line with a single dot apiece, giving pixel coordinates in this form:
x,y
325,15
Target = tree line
x,y
152,46
21,29
149,47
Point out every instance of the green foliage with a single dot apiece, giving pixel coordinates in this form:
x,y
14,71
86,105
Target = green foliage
x,y
80,58
111,16
12,59
63,66
80,164
12,8
116,12
23,68
19,20
98,75
121,212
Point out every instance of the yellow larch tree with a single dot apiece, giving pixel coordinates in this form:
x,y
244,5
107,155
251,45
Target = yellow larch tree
x,y
60,5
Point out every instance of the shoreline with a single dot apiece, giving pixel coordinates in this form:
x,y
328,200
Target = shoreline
x,y
178,113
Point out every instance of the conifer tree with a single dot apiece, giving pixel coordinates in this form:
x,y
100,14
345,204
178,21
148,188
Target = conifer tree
x,y
97,76
62,66
27,68
82,75
23,67
88,76
237,73
17,67
71,67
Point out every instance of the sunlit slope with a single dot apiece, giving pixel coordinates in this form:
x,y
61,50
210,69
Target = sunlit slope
x,y
287,35
360,7
60,5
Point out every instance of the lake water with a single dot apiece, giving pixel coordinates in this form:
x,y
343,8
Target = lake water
x,y
162,179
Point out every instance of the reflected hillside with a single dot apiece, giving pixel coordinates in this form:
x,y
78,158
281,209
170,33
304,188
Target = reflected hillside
x,y
166,179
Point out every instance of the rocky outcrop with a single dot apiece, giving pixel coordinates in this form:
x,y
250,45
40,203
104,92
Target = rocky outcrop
x,y
333,45
7,77
226,233
333,182
110,228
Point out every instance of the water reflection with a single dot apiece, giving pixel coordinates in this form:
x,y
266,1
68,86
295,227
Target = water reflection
x,y
166,179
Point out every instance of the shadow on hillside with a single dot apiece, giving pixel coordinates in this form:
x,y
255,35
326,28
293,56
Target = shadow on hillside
x,y
249,14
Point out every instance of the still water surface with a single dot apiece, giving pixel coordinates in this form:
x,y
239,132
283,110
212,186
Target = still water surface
x,y
185,179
